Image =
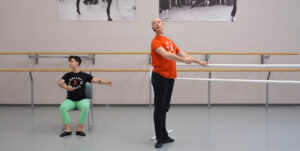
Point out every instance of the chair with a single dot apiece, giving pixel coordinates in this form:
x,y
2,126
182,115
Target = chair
x,y
89,95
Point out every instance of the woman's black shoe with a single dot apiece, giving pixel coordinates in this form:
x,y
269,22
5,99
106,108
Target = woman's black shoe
x,y
80,133
65,134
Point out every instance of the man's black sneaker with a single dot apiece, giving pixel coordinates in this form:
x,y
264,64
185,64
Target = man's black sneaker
x,y
159,144
168,140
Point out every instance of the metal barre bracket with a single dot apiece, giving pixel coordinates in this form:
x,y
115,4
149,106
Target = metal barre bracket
x,y
263,57
207,56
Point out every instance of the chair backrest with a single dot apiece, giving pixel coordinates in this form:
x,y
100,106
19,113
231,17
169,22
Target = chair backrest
x,y
89,90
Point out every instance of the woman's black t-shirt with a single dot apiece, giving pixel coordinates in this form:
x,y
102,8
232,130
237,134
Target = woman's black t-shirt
x,y
77,81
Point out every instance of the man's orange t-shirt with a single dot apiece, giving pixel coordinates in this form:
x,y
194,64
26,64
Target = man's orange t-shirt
x,y
163,66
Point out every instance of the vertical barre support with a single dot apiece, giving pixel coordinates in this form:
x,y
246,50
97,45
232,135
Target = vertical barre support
x,y
208,92
261,59
36,59
32,90
207,56
92,104
150,89
93,58
267,90
150,59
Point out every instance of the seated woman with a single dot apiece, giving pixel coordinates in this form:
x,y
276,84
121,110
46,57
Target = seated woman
x,y
74,82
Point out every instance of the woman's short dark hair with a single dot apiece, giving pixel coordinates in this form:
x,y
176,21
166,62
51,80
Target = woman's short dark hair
x,y
76,58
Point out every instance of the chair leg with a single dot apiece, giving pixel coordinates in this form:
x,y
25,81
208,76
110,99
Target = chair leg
x,y
90,126
92,112
89,121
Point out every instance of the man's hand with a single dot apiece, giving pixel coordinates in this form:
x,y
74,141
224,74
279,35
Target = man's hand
x,y
189,59
203,63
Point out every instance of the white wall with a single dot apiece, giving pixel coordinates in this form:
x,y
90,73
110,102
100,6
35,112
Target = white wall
x,y
262,25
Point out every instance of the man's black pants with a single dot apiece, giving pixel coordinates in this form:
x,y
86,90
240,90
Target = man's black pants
x,y
163,89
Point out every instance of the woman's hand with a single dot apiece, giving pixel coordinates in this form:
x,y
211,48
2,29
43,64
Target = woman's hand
x,y
69,88
109,83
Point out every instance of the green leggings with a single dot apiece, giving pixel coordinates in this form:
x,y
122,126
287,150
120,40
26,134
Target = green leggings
x,y
83,105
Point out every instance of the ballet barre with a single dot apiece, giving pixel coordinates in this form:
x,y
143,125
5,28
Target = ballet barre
x,y
150,71
242,65
243,80
135,52
209,79
147,70
267,82
68,70
90,55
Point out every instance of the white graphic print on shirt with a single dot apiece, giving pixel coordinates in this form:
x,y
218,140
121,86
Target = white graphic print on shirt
x,y
75,82
170,46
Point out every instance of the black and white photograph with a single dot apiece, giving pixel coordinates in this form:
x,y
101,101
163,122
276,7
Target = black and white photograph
x,y
197,10
96,10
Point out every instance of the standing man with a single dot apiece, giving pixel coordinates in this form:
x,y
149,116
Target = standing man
x,y
74,82
164,54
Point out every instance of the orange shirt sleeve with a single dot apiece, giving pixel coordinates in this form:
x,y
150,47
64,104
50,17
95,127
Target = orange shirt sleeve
x,y
155,44
177,49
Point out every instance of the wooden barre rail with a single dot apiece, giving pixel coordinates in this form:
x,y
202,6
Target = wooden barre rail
x,y
103,53
238,70
147,70
67,53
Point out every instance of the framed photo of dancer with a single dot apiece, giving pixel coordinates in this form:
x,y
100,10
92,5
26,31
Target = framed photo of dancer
x,y
198,10
97,10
